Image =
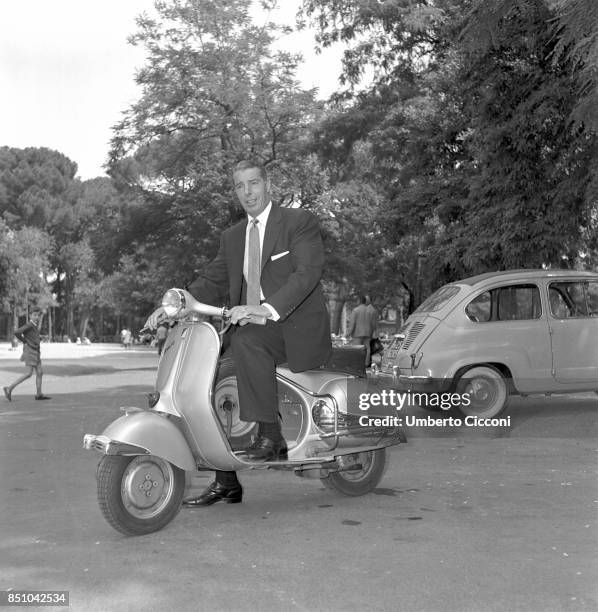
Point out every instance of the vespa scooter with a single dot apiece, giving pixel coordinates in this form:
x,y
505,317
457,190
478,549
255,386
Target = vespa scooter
x,y
192,423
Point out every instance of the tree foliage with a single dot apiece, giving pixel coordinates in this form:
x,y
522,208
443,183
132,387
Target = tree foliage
x,y
24,265
213,92
469,117
59,236
576,25
463,140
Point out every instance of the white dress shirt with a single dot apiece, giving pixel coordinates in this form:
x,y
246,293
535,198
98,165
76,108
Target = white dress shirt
x,y
261,226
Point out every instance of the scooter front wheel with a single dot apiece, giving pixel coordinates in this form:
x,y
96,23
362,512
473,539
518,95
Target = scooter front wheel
x,y
141,494
360,473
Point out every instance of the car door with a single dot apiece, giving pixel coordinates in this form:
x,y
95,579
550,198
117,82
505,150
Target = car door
x,y
511,328
573,321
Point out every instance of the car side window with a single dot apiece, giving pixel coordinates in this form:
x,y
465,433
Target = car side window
x,y
568,299
559,307
479,310
518,302
512,303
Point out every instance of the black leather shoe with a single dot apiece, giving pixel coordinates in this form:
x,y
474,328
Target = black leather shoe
x,y
215,493
264,449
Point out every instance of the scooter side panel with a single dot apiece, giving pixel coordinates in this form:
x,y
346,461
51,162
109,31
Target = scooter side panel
x,y
353,437
192,396
155,433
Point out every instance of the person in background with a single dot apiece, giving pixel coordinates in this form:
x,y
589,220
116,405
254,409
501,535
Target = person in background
x,y
126,337
28,334
372,315
361,328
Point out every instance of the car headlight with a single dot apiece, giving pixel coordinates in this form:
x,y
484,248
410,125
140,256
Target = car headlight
x,y
173,302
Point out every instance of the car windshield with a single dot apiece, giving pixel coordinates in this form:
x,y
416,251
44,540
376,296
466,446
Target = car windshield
x,y
439,298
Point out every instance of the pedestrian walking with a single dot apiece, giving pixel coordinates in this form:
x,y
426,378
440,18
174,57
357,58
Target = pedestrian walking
x,y
28,334
126,337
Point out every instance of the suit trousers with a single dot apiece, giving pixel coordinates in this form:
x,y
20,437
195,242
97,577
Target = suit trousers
x,y
257,350
365,341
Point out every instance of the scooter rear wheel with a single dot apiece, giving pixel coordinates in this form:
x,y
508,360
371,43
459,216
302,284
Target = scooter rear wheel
x,y
369,469
141,494
226,403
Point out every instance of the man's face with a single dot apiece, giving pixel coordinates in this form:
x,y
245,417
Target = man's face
x,y
35,317
252,190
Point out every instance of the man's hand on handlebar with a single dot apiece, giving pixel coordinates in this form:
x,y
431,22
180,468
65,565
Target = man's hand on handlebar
x,y
155,319
241,315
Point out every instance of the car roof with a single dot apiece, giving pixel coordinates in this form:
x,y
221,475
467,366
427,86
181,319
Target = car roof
x,y
525,274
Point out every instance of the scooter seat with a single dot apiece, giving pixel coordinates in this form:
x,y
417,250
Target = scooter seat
x,y
345,360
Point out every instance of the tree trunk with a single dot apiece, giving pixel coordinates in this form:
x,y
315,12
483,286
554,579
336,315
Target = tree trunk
x,y
83,326
70,317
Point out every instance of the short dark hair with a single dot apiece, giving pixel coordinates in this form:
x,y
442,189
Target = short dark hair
x,y
247,164
35,310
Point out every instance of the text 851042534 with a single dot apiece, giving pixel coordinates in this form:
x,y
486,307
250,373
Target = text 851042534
x,y
34,598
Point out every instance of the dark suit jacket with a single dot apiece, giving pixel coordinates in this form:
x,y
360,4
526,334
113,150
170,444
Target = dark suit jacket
x,y
292,262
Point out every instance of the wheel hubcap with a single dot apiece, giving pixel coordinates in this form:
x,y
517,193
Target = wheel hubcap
x,y
147,486
358,459
227,409
483,391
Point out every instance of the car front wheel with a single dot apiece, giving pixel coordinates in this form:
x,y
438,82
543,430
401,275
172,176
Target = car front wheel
x,y
484,392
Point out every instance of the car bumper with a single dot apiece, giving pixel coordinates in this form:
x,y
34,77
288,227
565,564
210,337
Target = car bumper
x,y
412,382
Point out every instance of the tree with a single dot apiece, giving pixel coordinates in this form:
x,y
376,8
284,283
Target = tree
x,y
24,267
469,121
83,227
213,91
576,26
37,187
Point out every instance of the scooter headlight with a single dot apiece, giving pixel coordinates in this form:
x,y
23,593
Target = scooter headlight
x,y
173,302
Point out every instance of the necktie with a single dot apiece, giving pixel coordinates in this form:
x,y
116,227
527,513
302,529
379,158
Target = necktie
x,y
254,265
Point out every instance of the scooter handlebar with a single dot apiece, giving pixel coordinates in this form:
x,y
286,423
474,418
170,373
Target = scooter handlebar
x,y
177,303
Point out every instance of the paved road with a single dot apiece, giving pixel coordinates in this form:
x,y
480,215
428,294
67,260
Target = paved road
x,y
464,519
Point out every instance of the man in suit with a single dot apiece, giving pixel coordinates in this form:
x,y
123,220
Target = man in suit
x,y
282,287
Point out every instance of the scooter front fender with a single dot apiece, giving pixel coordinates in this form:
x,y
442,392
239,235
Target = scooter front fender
x,y
157,434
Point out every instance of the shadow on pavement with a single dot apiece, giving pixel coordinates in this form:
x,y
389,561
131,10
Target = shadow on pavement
x,y
71,369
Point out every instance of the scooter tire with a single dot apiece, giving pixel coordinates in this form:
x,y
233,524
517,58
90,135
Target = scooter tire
x,y
140,494
361,481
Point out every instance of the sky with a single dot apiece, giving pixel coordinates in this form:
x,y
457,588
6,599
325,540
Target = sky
x,y
67,73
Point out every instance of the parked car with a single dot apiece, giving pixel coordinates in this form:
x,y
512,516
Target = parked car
x,y
499,334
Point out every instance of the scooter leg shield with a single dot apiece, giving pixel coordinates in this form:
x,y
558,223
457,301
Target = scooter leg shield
x,y
156,434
